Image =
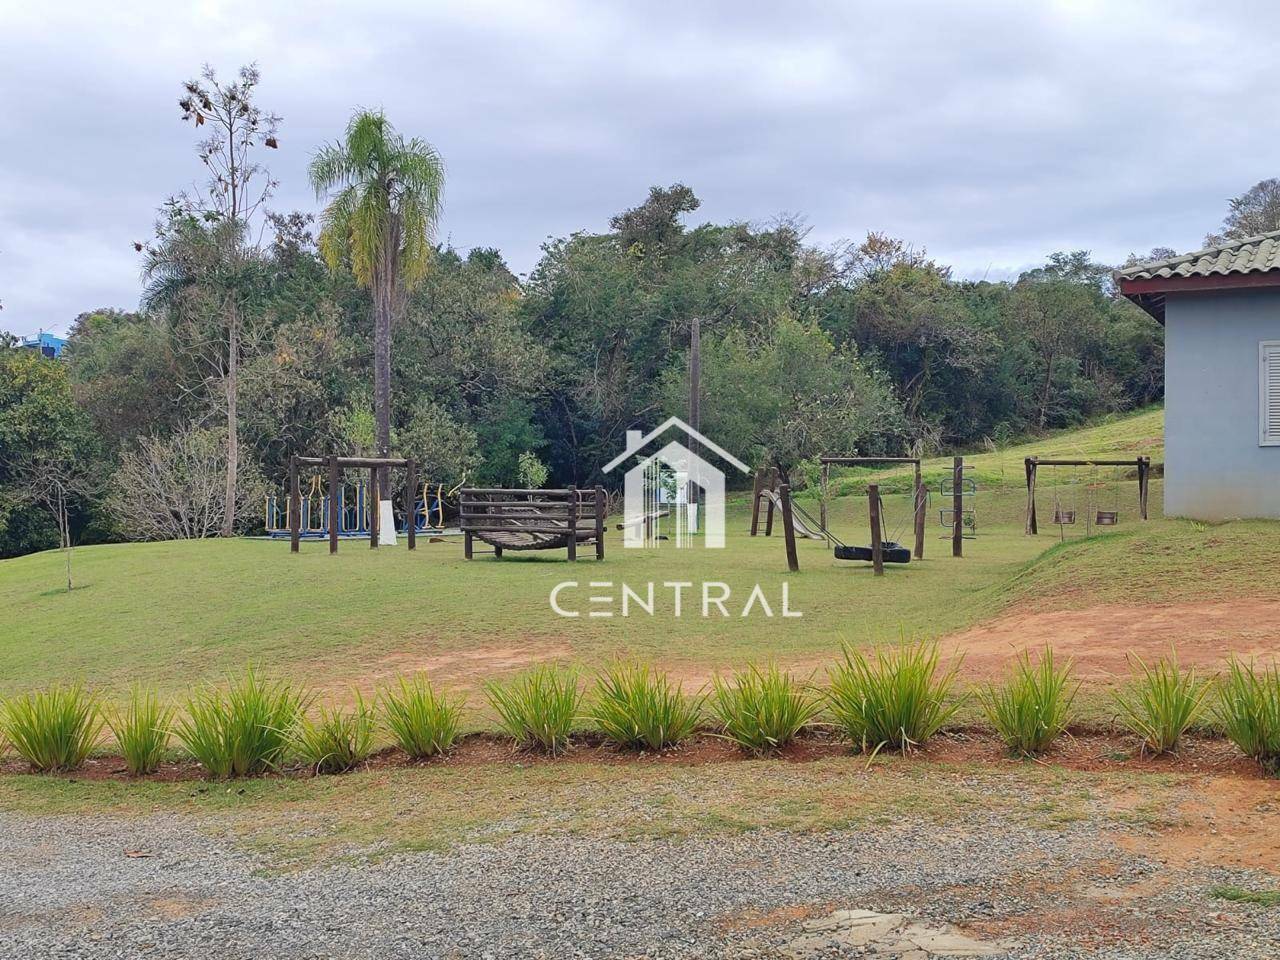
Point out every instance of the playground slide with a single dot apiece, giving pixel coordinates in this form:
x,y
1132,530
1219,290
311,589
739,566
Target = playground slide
x,y
797,520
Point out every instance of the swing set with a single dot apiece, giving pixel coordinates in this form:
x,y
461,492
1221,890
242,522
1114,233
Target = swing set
x,y
771,494
1101,501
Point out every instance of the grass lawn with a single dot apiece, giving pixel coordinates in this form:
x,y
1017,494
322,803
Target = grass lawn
x,y
172,613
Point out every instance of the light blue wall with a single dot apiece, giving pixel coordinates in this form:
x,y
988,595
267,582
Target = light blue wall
x,y
1214,467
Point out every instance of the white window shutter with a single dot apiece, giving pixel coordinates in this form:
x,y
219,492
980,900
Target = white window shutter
x,y
1269,382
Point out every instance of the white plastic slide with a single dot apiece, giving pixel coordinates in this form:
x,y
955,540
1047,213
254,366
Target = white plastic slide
x,y
797,521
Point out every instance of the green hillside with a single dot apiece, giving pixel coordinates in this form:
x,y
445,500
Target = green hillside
x,y
170,613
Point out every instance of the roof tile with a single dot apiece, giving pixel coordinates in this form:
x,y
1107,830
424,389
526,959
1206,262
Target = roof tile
x,y
1250,255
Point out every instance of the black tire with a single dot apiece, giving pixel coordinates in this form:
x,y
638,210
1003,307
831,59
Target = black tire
x,y
890,552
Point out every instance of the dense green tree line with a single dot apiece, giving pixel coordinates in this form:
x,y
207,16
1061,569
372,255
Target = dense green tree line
x,y
874,348
259,336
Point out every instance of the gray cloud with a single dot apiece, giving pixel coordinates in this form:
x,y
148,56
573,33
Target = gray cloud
x,y
991,134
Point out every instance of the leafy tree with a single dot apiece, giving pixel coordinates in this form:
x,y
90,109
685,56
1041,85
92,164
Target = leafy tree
x,y
126,375
379,224
1254,212
786,394
905,313
49,463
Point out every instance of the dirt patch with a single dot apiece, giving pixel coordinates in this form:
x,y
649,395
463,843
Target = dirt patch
x,y
1226,821
457,669
176,908
754,919
1099,638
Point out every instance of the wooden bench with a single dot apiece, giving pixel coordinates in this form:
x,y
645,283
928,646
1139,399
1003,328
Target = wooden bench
x,y
512,519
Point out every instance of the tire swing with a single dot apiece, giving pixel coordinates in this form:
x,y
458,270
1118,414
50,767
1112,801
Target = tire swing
x,y
891,551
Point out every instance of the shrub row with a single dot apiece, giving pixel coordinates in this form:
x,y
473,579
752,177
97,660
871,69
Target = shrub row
x,y
895,698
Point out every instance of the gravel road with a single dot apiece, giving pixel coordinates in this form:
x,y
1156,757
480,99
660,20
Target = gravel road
x,y
69,888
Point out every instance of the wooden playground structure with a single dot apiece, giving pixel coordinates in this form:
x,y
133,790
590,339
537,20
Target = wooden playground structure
x,y
1095,515
511,519
376,466
776,495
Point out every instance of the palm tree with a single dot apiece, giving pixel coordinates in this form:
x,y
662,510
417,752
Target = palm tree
x,y
380,223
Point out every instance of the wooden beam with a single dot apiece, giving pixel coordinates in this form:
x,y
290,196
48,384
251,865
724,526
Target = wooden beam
x,y
1032,525
335,494
789,529
768,516
822,501
600,507
867,461
957,507
411,502
295,506
877,546
921,501
756,489
573,526
1144,485
354,462
1133,462
375,507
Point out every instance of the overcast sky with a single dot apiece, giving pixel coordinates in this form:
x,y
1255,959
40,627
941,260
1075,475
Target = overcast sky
x,y
989,133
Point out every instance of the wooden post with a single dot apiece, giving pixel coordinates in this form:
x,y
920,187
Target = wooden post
x,y
411,501
877,547
788,528
822,502
1033,525
921,498
573,523
957,507
295,505
466,545
1144,481
375,507
599,522
756,488
335,515
768,516
695,403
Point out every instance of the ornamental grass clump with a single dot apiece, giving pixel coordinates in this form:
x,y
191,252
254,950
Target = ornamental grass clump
x,y
635,706
53,730
762,709
422,722
538,708
1033,707
1161,703
142,731
897,698
246,731
335,740
1248,711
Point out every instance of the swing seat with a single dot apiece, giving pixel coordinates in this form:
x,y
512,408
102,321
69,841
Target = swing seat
x,y
1064,516
1107,518
890,552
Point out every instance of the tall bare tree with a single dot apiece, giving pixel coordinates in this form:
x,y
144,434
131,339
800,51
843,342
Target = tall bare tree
x,y
237,188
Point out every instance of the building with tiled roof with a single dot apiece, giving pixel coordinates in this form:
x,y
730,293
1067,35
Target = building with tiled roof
x,y
1221,312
